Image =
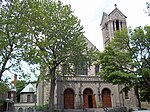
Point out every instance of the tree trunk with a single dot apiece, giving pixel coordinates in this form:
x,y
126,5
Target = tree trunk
x,y
0,76
5,62
52,90
138,97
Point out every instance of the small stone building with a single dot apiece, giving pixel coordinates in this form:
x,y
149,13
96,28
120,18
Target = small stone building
x,y
27,99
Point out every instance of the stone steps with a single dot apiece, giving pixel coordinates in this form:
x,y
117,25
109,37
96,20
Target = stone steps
x,y
121,109
85,110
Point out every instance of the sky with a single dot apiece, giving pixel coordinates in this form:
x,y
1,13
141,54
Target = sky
x,y
90,13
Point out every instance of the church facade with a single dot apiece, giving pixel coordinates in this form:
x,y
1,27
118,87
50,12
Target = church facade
x,y
87,89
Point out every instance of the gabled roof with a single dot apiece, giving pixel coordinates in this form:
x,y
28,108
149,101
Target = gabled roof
x,y
104,15
28,88
90,44
117,10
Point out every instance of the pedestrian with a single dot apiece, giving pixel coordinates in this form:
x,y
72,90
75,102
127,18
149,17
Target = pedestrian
x,y
106,109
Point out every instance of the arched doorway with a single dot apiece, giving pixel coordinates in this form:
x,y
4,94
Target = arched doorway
x,y
89,98
68,99
106,98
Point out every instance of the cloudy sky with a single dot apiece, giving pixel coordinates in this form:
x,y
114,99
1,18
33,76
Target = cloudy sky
x,y
90,12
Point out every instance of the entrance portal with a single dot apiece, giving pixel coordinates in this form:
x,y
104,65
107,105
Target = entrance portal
x,y
106,98
68,99
89,98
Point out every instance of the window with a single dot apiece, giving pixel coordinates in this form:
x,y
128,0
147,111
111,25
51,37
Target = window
x,y
21,99
126,95
96,69
117,24
34,98
82,70
121,24
28,98
12,96
106,26
113,25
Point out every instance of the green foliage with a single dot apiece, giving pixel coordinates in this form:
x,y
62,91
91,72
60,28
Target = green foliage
x,y
126,60
57,39
44,33
116,62
12,32
3,92
19,86
145,94
54,39
3,88
41,107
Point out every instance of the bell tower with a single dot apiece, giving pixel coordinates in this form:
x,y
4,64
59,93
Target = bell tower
x,y
111,22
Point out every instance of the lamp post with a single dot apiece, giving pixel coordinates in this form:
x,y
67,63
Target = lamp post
x,y
7,103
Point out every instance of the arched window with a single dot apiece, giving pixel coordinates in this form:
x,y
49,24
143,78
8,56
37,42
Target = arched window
x,y
117,24
82,69
20,110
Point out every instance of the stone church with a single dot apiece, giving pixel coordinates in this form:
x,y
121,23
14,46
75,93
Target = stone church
x,y
86,89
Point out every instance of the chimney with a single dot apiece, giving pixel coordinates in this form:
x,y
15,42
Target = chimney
x,y
15,80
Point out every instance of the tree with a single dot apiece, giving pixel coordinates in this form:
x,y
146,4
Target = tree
x,y
116,61
12,31
144,94
126,59
19,87
141,54
55,41
3,91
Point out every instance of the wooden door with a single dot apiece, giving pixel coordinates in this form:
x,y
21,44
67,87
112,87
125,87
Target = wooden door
x,y
106,98
94,101
86,105
68,99
89,98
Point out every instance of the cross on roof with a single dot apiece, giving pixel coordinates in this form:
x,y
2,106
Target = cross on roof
x,y
115,5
